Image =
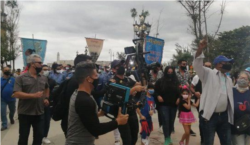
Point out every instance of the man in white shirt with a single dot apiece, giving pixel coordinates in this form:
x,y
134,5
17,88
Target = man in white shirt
x,y
216,104
196,89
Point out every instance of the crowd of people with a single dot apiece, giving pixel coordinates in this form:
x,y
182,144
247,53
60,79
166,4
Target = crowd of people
x,y
74,95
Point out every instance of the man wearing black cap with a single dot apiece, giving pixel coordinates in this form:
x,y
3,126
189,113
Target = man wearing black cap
x,y
216,104
129,132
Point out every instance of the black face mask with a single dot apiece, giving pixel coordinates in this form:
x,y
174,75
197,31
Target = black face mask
x,y
121,70
183,68
38,69
227,67
95,82
7,73
170,75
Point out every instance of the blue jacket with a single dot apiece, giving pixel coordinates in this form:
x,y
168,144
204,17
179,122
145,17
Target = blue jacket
x,y
7,92
58,77
67,74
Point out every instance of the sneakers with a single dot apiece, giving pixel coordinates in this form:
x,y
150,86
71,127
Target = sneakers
x,y
168,141
3,128
46,140
181,143
117,142
160,130
192,133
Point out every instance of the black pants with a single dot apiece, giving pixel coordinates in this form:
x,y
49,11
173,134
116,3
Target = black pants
x,y
47,118
64,125
200,127
37,123
129,132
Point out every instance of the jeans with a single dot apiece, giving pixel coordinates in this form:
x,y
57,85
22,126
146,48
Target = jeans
x,y
129,132
200,128
37,123
242,139
168,115
12,108
217,123
47,117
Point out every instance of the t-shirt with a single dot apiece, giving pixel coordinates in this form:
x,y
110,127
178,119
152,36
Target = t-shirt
x,y
182,108
7,91
241,106
149,105
83,122
28,84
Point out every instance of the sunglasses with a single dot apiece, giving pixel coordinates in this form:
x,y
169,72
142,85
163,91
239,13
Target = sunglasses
x,y
39,62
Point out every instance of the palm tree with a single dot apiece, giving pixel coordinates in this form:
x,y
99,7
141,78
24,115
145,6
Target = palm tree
x,y
133,13
145,14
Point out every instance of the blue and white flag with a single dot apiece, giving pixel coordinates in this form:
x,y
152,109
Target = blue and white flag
x,y
155,47
35,44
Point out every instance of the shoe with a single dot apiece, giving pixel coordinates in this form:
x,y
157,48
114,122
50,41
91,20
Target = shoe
x,y
117,142
46,140
160,130
12,121
192,133
167,141
181,143
3,128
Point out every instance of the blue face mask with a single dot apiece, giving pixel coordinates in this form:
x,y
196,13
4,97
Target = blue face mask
x,y
151,92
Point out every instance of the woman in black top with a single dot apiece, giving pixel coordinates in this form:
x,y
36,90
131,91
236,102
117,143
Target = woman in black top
x,y
166,94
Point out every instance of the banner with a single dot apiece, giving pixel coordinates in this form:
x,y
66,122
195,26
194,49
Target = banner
x,y
155,47
94,47
35,44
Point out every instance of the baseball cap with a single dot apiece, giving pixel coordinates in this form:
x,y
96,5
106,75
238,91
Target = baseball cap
x,y
222,58
116,62
247,69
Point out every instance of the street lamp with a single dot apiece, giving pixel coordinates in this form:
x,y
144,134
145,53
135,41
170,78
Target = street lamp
x,y
3,17
142,29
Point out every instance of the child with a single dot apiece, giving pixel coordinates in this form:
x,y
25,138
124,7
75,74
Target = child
x,y
186,117
145,115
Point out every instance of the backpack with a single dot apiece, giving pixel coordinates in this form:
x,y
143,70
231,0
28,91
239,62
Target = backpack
x,y
59,103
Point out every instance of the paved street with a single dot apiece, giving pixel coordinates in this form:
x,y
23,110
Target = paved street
x,y
10,136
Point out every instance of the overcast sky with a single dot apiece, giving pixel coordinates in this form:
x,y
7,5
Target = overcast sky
x,y
66,24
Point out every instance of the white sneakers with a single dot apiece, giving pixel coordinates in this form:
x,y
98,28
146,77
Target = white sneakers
x,y
160,130
46,140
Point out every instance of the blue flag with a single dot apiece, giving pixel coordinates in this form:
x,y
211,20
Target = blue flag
x,y
155,47
35,44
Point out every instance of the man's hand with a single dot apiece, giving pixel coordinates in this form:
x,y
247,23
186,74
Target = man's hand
x,y
197,94
160,99
46,102
142,117
151,112
140,88
38,94
121,119
112,80
203,43
101,113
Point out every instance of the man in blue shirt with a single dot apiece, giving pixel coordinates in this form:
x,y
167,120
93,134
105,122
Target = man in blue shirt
x,y
56,74
68,73
7,85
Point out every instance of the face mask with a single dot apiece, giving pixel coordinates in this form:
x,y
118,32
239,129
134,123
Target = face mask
x,y
62,70
121,70
38,69
58,71
46,73
67,68
151,92
95,82
170,75
227,67
107,70
242,83
7,73
185,96
183,68
73,71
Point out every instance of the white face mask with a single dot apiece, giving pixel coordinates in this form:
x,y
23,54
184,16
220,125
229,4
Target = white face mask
x,y
73,70
62,70
67,68
46,73
185,96
58,71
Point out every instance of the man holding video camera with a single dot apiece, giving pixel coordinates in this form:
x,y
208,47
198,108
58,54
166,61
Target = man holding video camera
x,y
129,132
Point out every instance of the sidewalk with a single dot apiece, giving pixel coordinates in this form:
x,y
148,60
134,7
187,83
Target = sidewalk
x,y
10,136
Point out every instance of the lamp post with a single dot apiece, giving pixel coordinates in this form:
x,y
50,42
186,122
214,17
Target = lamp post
x,y
142,29
86,50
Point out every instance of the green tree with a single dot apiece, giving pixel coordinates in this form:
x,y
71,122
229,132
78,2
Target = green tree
x,y
235,44
121,55
181,53
133,13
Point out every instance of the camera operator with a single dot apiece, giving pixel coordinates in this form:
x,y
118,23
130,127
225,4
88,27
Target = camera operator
x,y
129,132
84,125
